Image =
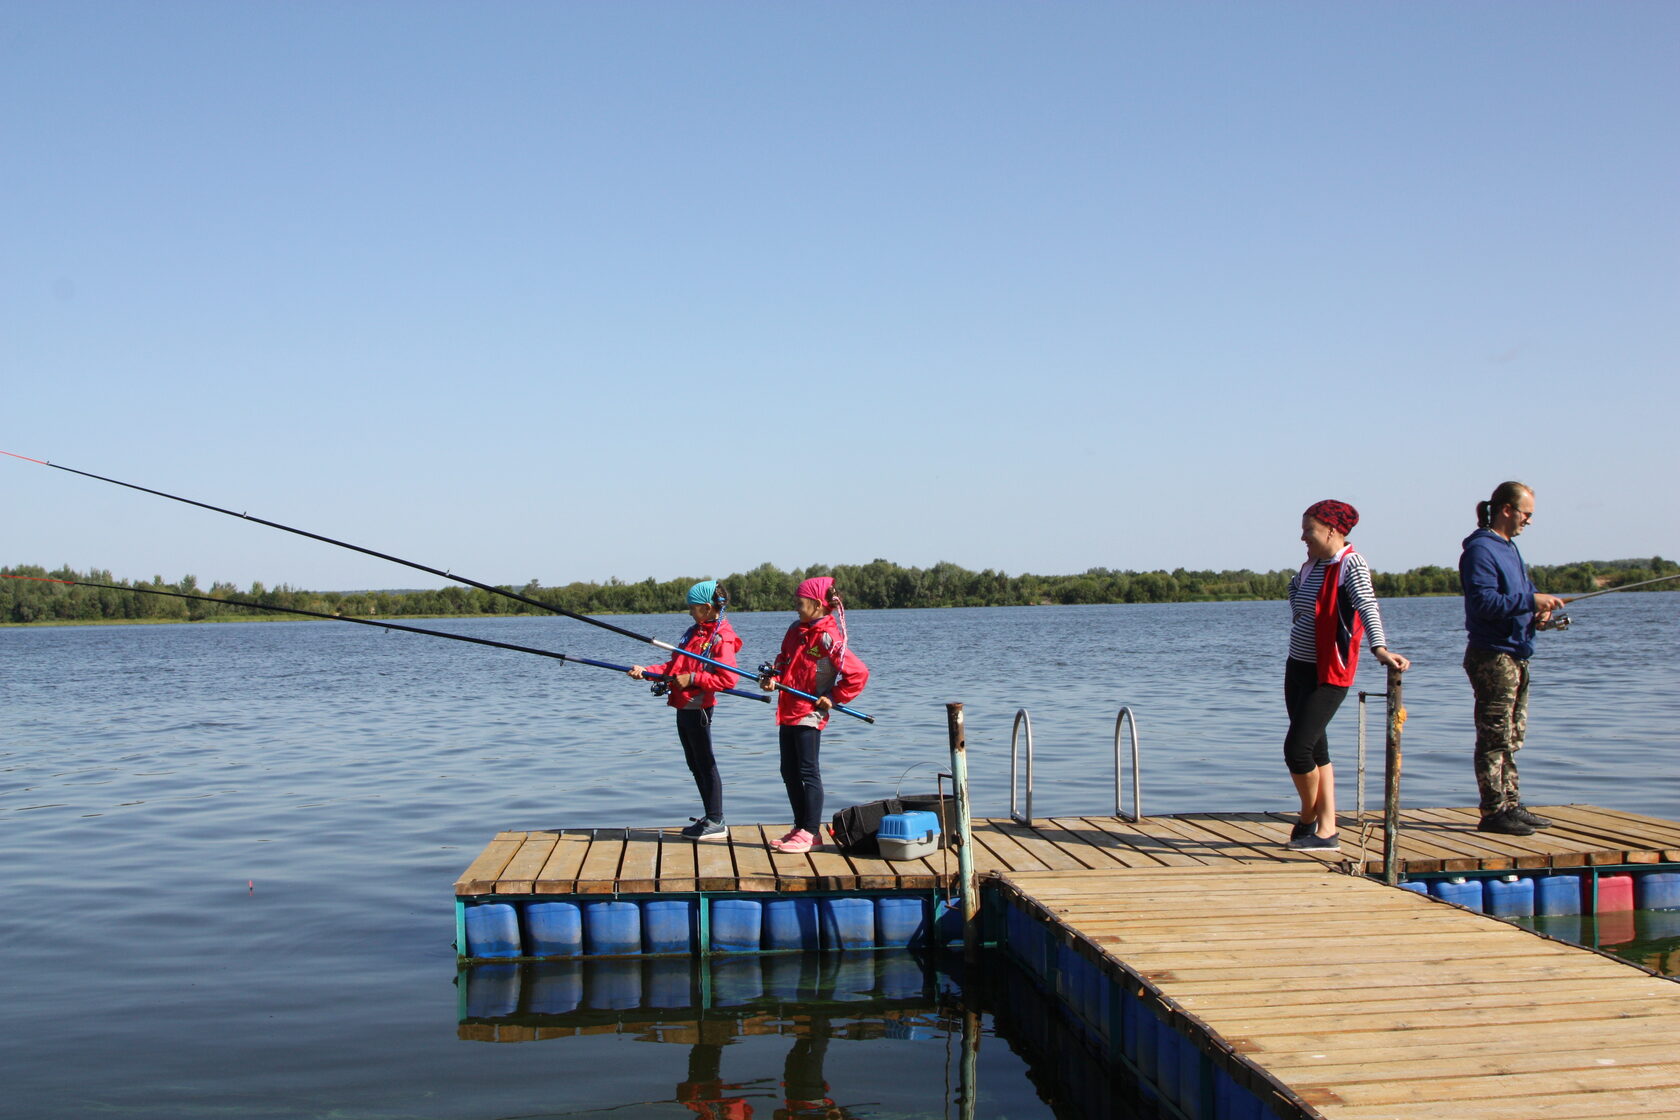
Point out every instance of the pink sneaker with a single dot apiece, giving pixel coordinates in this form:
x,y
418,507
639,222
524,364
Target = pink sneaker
x,y
795,843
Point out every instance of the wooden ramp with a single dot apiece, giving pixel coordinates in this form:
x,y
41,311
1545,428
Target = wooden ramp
x,y
1365,1002
564,861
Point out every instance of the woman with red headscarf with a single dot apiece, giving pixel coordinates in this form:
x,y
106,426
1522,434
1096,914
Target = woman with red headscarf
x,y
815,659
1333,605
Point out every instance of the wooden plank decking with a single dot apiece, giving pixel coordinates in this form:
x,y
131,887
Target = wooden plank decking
x,y
648,860
1363,1002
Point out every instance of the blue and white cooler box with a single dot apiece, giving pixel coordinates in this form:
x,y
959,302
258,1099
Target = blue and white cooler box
x,y
908,835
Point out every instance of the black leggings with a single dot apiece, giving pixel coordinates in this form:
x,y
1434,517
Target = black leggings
x,y
694,728
802,776
1310,706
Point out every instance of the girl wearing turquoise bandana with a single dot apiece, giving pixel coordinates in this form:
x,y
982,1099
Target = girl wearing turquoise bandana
x,y
694,687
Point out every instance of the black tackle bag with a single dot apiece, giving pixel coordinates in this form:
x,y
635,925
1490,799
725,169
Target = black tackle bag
x,y
853,829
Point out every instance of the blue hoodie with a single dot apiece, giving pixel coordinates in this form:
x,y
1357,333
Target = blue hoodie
x,y
1498,595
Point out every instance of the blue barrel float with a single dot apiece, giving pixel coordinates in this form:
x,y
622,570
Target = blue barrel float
x,y
847,923
612,929
553,929
1557,895
737,925
1510,896
668,925
901,922
1659,890
1465,892
493,930
791,923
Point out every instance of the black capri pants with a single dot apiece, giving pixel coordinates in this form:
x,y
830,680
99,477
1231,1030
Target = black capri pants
x,y
1311,706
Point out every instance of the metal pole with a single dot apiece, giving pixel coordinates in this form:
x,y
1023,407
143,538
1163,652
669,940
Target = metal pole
x,y
1391,782
965,856
1359,789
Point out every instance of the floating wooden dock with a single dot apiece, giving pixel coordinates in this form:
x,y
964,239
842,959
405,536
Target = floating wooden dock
x,y
583,861
1318,994
1335,996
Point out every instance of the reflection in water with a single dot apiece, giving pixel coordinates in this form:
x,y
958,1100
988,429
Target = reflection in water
x,y
766,1033
808,1000
1645,937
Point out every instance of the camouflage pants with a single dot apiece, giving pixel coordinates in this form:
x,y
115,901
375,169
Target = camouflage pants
x,y
1500,683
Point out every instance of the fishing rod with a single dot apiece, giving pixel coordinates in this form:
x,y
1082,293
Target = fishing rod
x,y
1560,621
663,678
655,642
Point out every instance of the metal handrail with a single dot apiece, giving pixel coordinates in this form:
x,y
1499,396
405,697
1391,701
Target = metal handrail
x,y
1021,719
1126,717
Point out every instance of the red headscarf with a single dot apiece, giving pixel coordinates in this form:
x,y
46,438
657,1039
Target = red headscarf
x,y
1338,515
817,587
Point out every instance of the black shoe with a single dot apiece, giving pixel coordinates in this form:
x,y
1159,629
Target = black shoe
x,y
704,826
1533,820
1506,822
1313,842
1303,828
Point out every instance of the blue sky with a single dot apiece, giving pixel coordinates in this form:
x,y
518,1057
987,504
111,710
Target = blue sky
x,y
580,290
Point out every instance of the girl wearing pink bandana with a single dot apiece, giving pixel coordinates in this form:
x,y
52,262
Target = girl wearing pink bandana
x,y
1333,606
815,658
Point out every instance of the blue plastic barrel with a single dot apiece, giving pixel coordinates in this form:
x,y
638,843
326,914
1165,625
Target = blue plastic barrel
x,y
791,923
1231,1101
613,985
847,923
901,922
553,929
1659,890
1148,1043
492,990
556,987
1465,892
1510,896
737,980
1190,1062
612,929
948,921
1556,895
492,930
737,925
1416,885
668,925
668,982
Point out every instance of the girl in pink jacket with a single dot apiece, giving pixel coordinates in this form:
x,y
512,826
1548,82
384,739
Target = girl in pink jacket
x,y
814,659
694,686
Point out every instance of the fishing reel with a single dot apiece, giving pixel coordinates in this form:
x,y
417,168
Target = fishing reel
x,y
1558,621
767,672
660,688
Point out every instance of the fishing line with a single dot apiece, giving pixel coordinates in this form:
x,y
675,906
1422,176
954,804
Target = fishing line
x,y
382,625
491,588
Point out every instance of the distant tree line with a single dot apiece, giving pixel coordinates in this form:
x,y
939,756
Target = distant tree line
x,y
877,584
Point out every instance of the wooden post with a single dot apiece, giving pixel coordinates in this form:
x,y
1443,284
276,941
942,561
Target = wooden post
x,y
1391,781
965,851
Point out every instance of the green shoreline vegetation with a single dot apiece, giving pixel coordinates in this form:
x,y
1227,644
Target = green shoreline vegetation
x,y
878,584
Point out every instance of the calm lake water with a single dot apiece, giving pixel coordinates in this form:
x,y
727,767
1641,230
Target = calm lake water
x,y
227,850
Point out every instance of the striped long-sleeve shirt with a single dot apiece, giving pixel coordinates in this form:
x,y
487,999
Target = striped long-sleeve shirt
x,y
1303,594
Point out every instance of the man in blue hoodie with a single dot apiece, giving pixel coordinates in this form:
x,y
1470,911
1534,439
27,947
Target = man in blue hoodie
x,y
1501,612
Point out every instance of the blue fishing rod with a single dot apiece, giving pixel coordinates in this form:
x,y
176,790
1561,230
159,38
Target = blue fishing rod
x,y
663,678
491,588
